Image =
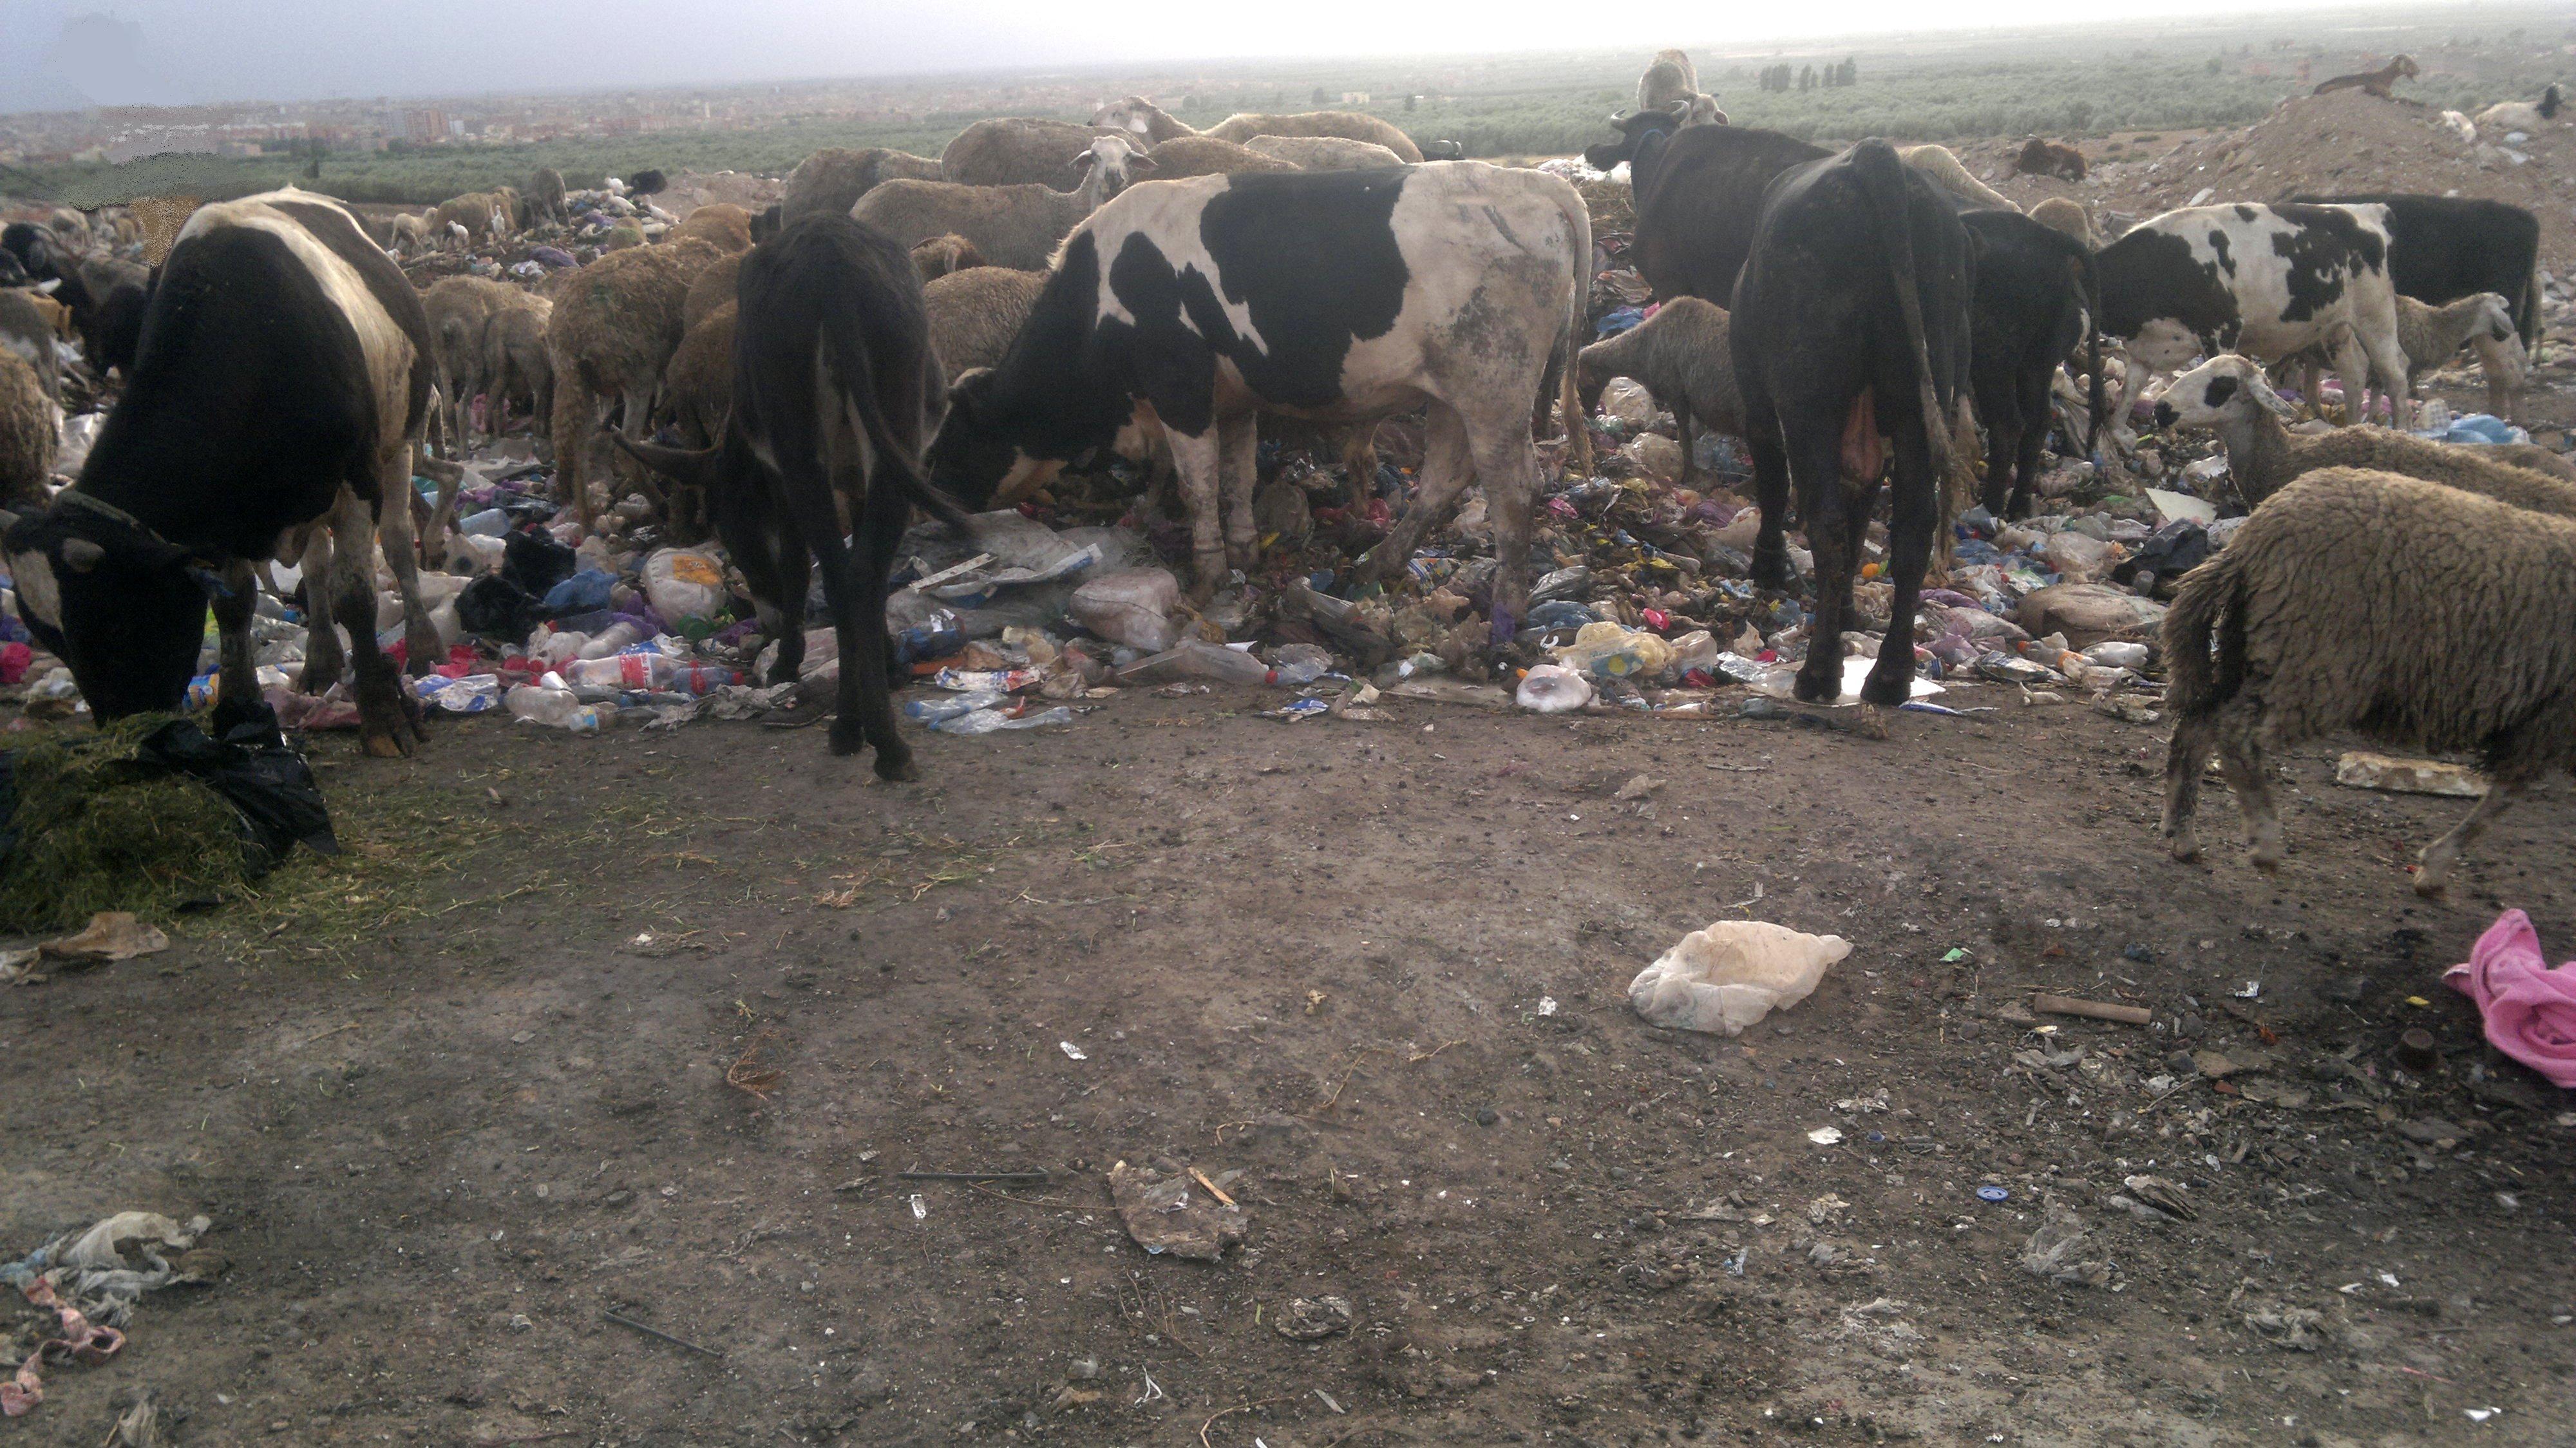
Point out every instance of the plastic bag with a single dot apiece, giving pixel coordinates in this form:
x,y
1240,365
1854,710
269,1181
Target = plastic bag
x,y
1132,607
684,584
1553,689
1612,651
1732,974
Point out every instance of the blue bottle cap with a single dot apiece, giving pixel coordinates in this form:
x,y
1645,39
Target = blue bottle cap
x,y
1992,1194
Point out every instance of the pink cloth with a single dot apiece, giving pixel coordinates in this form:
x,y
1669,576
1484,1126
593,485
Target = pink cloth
x,y
2530,1009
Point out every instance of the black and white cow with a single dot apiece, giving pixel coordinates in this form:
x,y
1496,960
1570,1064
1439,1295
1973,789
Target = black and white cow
x,y
1852,323
1337,296
835,390
2264,281
274,412
2443,248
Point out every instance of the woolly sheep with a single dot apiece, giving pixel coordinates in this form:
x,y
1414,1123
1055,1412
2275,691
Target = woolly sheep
x,y
711,289
30,431
1014,151
27,333
697,386
1138,116
2066,214
1681,354
976,312
720,224
1013,226
832,180
2510,116
941,255
546,194
1108,164
410,234
2431,336
613,331
459,308
1187,156
2393,607
1325,153
515,365
2229,395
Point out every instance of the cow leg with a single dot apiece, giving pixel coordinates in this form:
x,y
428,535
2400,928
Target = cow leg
x,y
422,650
882,516
785,619
1771,496
1196,461
325,662
1447,467
2004,484
442,513
2352,369
1238,465
388,716
1507,465
1914,513
238,700
1825,504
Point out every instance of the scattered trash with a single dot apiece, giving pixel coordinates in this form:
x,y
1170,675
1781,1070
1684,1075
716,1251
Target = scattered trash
x,y
1071,1051
1547,1005
2529,1007
2292,1329
631,1325
1732,974
1993,1194
1164,1215
1825,1135
1553,689
2362,769
1306,1319
1133,607
2155,1197
2052,1252
91,1281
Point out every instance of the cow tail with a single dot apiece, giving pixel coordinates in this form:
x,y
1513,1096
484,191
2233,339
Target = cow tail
x,y
1578,321
2207,610
1883,176
895,464
2528,320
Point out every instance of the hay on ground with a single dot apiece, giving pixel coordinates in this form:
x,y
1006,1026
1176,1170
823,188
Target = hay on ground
x,y
99,830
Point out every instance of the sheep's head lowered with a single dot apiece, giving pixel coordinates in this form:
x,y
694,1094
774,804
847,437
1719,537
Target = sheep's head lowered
x,y
2225,389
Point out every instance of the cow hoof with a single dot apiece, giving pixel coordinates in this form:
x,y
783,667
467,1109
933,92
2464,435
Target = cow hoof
x,y
385,744
2185,846
1886,693
782,673
421,655
847,737
1771,572
896,768
1818,688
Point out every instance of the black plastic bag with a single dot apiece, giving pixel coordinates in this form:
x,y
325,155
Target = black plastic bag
x,y
536,563
494,607
269,785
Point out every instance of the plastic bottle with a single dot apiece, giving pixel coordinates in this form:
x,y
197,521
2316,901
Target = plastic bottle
x,y
490,523
1196,659
544,703
1296,664
612,639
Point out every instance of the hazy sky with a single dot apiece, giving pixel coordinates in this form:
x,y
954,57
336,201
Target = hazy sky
x,y
299,49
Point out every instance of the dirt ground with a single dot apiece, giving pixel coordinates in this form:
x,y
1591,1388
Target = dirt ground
x,y
452,1099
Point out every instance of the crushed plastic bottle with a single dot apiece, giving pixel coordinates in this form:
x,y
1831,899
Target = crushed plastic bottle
x,y
1296,664
615,638
549,702
988,721
1197,659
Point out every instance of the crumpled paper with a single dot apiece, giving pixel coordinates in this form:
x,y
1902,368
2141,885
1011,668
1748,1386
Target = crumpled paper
x,y
1731,975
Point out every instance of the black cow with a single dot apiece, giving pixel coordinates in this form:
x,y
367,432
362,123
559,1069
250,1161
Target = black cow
x,y
1698,191
835,390
2443,248
2035,290
277,406
1851,321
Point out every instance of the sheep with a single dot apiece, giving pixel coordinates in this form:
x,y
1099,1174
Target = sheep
x,y
2229,395
976,312
474,212
2431,336
2387,605
941,255
410,233
2066,214
832,180
58,318
2049,158
1943,166
30,431
647,182
613,331
1671,80
1108,164
2378,82
2523,116
1325,153
28,334
546,194
722,224
515,363
1186,156
1015,151
1014,226
1683,356
697,385
712,288
1139,116
459,308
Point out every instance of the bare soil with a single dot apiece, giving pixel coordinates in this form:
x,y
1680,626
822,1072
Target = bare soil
x,y
472,1093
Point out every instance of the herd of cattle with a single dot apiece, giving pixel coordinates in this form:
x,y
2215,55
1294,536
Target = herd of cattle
x,y
1158,289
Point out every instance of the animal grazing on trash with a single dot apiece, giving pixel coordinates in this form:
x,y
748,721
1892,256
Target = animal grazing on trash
x,y
28,332
1336,296
2397,608
280,398
615,325
710,289
2066,214
546,195
1014,226
2228,395
975,312
2431,336
2036,289
1852,321
30,430
1682,355
835,390
2443,248
1698,191
515,365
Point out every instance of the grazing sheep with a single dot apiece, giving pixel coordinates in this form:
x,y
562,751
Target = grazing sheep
x,y
1015,151
2050,158
2228,395
481,214
1943,166
1140,117
1108,164
832,180
712,288
721,224
1014,226
2431,336
1325,153
941,255
410,233
27,333
30,430
697,386
614,329
1186,156
546,194
976,312
2519,115
57,316
2066,214
2378,82
1683,356
2386,605
459,310
515,365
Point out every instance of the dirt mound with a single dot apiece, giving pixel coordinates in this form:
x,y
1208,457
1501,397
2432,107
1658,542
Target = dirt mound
x,y
2340,142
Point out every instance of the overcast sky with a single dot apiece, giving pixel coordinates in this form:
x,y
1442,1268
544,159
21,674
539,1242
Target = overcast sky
x,y
196,50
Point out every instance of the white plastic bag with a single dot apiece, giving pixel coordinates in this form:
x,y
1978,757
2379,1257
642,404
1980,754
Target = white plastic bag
x,y
682,583
1132,607
1553,689
1731,975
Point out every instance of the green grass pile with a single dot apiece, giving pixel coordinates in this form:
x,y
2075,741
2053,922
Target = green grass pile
x,y
98,830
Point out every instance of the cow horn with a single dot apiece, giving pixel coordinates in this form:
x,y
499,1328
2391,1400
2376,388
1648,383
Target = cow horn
x,y
80,555
688,465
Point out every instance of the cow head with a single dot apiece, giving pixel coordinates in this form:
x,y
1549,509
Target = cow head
x,y
1108,165
1134,113
1634,127
122,607
2225,389
978,458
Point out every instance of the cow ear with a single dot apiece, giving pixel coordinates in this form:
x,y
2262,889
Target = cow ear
x,y
80,555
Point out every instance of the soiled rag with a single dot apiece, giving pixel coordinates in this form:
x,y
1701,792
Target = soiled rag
x,y
2530,1009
